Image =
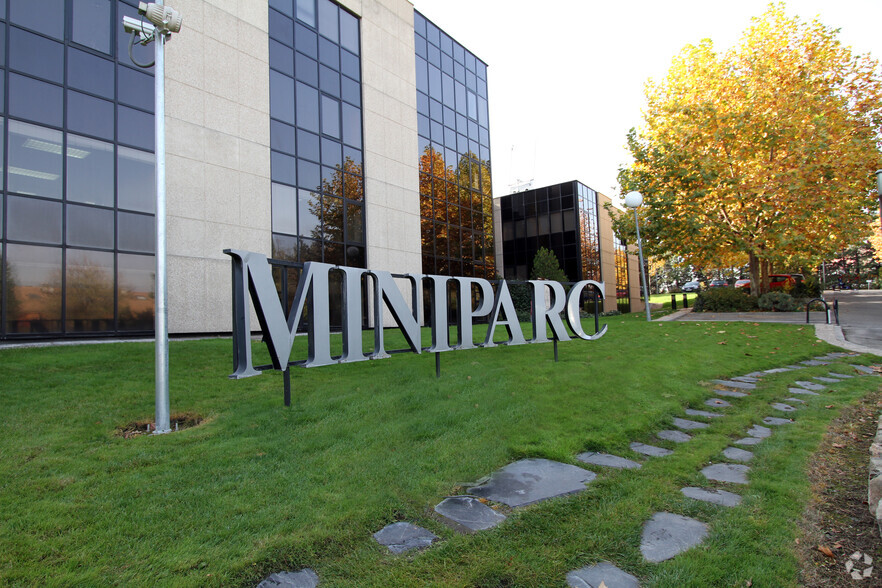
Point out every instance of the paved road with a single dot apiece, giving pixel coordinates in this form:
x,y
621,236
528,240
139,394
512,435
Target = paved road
x,y
860,315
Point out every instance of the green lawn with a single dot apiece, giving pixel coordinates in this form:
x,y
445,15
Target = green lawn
x,y
259,488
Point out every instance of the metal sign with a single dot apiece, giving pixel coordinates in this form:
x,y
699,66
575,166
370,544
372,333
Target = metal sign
x,y
252,275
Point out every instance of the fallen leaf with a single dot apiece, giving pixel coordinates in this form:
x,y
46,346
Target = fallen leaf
x,y
829,406
721,343
838,446
826,551
483,500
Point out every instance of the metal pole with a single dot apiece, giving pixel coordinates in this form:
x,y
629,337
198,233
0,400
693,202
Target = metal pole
x,y
161,320
642,269
286,375
437,364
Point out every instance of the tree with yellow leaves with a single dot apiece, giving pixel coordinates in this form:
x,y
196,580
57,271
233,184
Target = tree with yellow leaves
x,y
764,153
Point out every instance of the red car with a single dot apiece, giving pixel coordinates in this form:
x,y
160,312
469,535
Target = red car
x,y
743,284
781,282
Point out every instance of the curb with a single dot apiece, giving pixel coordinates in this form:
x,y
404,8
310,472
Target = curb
x,y
833,334
874,490
674,315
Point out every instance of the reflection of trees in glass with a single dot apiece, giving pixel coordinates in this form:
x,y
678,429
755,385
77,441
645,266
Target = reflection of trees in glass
x,y
337,207
136,304
89,294
12,304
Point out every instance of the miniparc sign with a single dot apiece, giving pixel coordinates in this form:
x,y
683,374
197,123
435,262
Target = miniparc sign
x,y
252,274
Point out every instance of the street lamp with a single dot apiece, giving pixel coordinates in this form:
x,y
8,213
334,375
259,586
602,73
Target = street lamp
x,y
634,200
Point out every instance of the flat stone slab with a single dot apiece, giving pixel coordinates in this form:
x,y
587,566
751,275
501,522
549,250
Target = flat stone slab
x,y
689,425
726,472
749,441
533,480
650,450
603,573
783,407
469,512
835,355
401,537
799,400
814,362
802,391
827,380
779,370
809,385
703,413
675,436
720,497
759,431
840,376
735,384
748,379
797,367
717,402
666,535
730,393
862,368
755,374
736,454
305,578
608,460
776,421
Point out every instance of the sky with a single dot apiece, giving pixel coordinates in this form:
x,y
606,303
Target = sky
x,y
566,77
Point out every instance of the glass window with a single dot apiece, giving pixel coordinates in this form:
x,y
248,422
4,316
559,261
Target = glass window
x,y
327,17
307,103
33,289
332,218
283,168
349,65
473,105
89,227
285,247
89,171
135,128
35,100
354,223
280,58
332,153
286,7
330,116
37,221
90,24
308,175
284,209
135,291
308,145
92,74
135,88
329,53
309,208
43,16
351,125
93,116
349,31
307,69
282,97
306,11
282,137
330,81
136,183
34,160
143,54
36,55
305,40
281,28
137,232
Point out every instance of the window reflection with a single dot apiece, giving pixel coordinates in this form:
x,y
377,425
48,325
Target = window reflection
x,y
88,291
30,219
90,24
136,232
89,227
135,291
33,289
136,182
89,171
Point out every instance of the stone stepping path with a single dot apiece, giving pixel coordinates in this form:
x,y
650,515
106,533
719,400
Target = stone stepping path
x,y
759,431
717,402
749,441
864,369
777,421
800,400
675,436
730,393
533,480
810,385
726,472
735,384
688,425
714,496
469,512
748,379
797,367
650,450
305,578
827,380
736,454
814,362
609,461
840,376
666,535
603,573
703,413
802,391
780,370
783,407
401,537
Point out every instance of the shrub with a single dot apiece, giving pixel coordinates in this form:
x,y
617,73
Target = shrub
x,y
810,287
777,301
724,300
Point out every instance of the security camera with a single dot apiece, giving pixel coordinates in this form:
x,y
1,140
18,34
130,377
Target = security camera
x,y
134,25
165,18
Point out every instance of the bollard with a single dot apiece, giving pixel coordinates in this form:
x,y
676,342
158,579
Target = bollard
x,y
673,302
685,301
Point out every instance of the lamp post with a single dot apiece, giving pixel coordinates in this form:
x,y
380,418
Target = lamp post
x,y
879,191
634,200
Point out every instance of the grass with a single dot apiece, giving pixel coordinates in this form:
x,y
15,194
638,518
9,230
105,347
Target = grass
x,y
259,488
665,299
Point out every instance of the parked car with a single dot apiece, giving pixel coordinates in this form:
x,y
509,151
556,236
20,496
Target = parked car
x,y
691,287
718,284
781,282
743,284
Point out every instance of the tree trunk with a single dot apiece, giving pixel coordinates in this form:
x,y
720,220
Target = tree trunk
x,y
759,269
